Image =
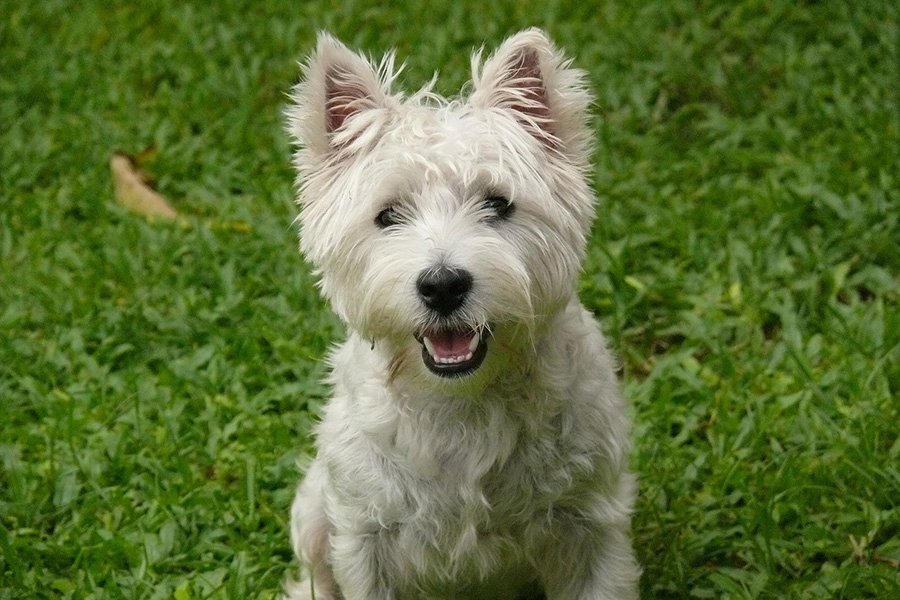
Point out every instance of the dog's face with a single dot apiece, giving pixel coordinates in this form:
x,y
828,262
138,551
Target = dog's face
x,y
451,231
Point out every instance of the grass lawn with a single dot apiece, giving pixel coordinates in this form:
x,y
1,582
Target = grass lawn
x,y
158,380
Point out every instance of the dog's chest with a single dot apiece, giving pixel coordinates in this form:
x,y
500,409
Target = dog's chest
x,y
494,464
469,501
477,481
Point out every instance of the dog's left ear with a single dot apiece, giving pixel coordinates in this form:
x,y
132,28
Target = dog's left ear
x,y
534,82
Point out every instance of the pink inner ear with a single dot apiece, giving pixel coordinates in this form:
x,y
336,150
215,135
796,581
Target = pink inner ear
x,y
343,97
525,75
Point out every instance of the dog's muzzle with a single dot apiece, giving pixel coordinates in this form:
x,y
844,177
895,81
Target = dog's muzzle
x,y
449,351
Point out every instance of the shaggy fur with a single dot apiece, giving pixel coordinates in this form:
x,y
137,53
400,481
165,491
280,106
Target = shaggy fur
x,y
476,443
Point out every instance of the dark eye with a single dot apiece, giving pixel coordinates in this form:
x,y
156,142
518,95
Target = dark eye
x,y
388,217
500,207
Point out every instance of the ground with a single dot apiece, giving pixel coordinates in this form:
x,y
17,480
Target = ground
x,y
158,379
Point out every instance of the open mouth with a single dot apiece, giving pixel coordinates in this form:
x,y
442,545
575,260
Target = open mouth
x,y
452,352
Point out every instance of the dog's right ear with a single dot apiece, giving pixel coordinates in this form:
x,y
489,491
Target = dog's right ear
x,y
341,101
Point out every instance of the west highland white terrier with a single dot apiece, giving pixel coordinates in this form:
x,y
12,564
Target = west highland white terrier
x,y
476,445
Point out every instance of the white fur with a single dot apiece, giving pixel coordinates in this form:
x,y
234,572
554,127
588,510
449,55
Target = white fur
x,y
458,487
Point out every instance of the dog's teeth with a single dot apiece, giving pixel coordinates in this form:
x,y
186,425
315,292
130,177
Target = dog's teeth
x,y
429,347
473,344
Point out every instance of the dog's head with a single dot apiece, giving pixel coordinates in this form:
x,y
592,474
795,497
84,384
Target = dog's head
x,y
449,230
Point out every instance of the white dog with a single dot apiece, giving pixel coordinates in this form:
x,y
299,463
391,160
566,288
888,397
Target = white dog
x,y
476,445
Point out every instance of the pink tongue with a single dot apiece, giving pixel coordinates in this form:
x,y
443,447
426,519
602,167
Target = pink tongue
x,y
450,344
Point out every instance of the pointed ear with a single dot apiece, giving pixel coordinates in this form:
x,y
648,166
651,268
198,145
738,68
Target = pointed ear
x,y
529,79
337,86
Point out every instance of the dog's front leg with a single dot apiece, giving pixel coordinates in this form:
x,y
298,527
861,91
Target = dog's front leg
x,y
358,567
593,562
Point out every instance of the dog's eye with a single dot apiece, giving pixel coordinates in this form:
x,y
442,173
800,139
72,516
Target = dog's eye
x,y
500,206
388,217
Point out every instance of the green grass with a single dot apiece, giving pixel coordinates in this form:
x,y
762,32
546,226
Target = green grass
x,y
158,381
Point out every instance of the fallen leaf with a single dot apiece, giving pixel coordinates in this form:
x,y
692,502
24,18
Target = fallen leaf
x,y
133,191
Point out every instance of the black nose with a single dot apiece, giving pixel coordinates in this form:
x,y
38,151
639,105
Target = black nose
x,y
444,289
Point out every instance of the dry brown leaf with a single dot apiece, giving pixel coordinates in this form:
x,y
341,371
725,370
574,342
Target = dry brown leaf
x,y
133,190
